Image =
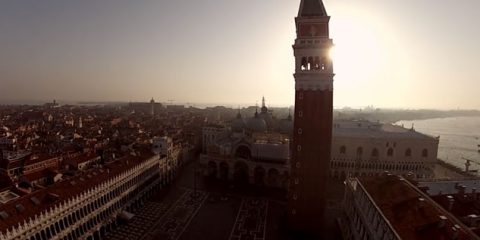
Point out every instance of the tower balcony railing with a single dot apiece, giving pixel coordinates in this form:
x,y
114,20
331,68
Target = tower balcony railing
x,y
303,41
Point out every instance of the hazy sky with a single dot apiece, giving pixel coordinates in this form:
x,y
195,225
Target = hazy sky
x,y
389,53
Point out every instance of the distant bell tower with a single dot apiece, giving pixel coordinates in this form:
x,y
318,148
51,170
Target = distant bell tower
x,y
312,136
152,107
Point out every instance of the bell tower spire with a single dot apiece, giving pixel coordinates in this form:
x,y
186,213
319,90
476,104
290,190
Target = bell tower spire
x,y
311,8
312,136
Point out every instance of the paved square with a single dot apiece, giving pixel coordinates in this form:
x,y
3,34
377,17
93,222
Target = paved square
x,y
251,220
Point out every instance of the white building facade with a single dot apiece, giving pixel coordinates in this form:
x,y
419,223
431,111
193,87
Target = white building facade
x,y
90,213
362,148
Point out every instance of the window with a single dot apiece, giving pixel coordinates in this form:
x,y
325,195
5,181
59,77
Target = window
x,y
343,150
299,148
316,63
300,131
35,201
4,215
375,153
20,208
390,152
300,113
425,153
304,64
408,152
359,152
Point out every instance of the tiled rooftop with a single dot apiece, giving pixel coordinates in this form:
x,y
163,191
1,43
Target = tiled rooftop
x,y
374,130
34,203
413,214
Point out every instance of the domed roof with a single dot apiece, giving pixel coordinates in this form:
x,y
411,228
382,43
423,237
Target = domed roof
x,y
267,117
238,124
257,124
286,126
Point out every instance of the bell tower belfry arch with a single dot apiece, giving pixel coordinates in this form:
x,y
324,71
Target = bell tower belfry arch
x,y
312,136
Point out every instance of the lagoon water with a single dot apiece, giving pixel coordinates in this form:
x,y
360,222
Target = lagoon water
x,y
459,138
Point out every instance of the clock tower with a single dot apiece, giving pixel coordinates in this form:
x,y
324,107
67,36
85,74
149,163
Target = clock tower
x,y
312,136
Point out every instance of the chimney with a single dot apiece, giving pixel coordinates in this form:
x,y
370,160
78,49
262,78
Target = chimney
x,y
450,202
421,202
472,220
461,190
454,234
410,176
442,221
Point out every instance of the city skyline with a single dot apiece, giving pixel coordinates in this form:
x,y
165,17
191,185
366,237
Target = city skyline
x,y
404,55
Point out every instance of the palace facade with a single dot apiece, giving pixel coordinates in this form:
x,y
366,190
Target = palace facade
x,y
362,148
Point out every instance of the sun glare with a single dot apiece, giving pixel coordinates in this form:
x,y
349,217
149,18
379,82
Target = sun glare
x,y
358,51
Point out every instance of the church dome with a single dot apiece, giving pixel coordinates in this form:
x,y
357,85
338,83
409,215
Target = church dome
x,y
257,124
267,117
286,126
238,124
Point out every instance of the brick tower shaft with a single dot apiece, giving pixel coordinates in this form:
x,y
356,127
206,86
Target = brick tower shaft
x,y
312,137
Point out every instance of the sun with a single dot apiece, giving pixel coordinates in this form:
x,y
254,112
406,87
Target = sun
x,y
358,50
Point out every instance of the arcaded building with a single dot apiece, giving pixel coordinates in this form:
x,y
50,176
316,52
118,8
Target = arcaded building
x,y
362,148
85,206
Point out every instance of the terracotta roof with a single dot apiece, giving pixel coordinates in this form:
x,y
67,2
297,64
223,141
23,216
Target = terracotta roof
x,y
38,175
412,213
82,158
39,158
63,190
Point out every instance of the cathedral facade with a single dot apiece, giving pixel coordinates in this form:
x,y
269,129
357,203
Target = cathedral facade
x,y
252,150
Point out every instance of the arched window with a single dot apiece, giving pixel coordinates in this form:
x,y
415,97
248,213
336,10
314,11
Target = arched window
x,y
304,65
408,152
390,152
311,63
317,63
323,63
425,153
359,152
343,150
375,153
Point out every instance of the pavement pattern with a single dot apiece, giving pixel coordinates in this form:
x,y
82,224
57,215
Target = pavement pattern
x,y
172,225
141,223
251,220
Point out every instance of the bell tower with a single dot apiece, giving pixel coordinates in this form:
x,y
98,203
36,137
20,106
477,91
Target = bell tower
x,y
312,136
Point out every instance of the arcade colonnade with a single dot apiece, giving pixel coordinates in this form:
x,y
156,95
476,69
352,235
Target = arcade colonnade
x,y
247,171
93,213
